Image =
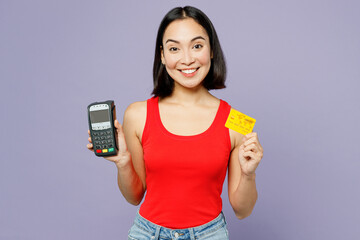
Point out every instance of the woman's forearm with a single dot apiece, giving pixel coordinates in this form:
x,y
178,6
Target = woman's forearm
x,y
129,183
245,196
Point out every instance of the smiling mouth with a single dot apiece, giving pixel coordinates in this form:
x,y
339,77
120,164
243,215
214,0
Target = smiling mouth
x,y
189,71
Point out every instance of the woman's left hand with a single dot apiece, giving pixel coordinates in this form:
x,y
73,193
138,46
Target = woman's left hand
x,y
250,154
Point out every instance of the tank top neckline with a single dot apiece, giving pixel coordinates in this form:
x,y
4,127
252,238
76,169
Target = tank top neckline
x,y
187,137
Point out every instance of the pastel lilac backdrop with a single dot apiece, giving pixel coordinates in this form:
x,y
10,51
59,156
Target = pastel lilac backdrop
x,y
293,65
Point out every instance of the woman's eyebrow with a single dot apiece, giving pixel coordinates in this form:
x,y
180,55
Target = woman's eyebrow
x,y
171,40
199,37
194,39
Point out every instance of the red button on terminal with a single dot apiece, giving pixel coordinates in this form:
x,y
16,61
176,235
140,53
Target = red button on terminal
x,y
98,151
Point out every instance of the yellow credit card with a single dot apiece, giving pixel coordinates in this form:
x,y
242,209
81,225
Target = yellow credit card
x,y
240,122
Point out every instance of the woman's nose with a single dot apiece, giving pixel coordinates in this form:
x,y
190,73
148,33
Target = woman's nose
x,y
187,58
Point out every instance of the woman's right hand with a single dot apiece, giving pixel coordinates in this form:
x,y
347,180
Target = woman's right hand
x,y
123,155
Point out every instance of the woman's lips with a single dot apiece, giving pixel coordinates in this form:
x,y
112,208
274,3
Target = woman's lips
x,y
189,72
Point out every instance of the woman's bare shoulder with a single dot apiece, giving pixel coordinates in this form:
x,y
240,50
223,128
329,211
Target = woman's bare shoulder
x,y
136,111
136,107
135,116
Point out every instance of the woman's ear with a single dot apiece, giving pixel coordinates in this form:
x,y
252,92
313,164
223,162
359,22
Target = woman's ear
x,y
162,55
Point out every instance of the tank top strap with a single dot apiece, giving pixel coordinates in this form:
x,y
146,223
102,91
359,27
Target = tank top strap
x,y
151,120
224,111
152,109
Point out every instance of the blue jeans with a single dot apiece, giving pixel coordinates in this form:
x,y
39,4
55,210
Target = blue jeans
x,y
143,229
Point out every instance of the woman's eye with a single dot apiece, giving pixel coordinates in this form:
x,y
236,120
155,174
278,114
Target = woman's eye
x,y
173,49
197,46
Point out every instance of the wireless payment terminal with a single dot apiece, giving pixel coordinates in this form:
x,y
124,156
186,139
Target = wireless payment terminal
x,y
101,124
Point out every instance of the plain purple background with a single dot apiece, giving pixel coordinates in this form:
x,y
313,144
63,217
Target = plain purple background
x,y
292,65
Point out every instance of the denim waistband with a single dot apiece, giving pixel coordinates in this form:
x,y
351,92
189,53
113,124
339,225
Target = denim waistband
x,y
179,234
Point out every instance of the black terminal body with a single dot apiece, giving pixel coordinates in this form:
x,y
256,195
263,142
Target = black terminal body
x,y
101,116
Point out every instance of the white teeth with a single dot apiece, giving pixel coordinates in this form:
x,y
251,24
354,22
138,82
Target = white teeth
x,y
187,71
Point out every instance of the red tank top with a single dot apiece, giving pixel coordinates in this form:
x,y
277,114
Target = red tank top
x,y
184,174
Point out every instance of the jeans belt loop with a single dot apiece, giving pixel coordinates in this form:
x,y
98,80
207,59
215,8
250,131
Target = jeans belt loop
x,y
192,235
157,233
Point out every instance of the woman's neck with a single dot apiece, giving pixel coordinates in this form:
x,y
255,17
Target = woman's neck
x,y
187,96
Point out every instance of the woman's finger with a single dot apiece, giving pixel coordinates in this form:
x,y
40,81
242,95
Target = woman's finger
x,y
249,155
250,141
251,147
252,138
120,137
90,147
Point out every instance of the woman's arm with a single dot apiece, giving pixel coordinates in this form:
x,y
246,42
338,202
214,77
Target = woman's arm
x,y
129,159
131,171
244,159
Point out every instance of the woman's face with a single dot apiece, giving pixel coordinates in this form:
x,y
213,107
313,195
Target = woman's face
x,y
186,52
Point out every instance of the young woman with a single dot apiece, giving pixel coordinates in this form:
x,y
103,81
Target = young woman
x,y
175,146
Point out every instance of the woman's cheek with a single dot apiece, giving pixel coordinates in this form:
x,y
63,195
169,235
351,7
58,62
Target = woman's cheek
x,y
205,58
